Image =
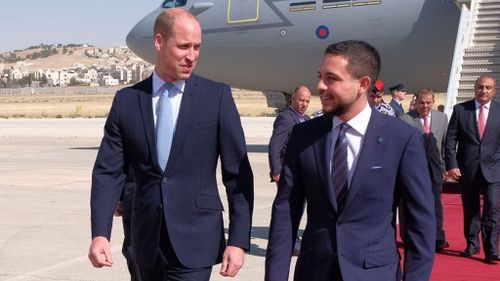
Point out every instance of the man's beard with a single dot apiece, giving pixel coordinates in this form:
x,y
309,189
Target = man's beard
x,y
338,110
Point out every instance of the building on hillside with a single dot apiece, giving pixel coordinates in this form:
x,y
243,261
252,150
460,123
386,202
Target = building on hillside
x,y
108,80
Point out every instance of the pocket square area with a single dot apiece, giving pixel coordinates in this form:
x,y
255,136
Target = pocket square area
x,y
375,167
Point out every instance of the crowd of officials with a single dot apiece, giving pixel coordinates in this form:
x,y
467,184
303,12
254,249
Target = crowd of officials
x,y
351,168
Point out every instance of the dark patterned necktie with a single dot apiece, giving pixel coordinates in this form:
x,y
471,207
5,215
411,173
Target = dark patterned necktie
x,y
339,163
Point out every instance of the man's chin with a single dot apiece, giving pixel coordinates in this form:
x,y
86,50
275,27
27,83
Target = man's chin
x,y
331,112
185,75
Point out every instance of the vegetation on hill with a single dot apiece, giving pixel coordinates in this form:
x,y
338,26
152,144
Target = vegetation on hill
x,y
39,51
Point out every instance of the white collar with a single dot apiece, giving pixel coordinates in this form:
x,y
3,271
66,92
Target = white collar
x,y
359,122
158,83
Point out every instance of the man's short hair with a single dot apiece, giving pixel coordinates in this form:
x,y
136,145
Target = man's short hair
x,y
164,23
486,76
362,58
424,91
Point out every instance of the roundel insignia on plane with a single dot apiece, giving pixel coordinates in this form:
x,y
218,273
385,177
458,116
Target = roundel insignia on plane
x,y
322,32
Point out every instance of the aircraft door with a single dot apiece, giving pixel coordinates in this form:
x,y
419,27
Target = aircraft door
x,y
241,11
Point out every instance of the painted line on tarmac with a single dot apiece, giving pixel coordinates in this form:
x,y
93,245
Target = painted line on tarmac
x,y
45,270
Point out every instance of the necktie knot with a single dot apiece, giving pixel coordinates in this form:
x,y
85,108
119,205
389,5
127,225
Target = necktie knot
x,y
167,87
343,127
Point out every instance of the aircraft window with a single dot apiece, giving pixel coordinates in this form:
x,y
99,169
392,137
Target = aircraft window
x,y
173,3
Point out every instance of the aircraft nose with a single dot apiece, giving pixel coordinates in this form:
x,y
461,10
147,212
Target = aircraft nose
x,y
140,38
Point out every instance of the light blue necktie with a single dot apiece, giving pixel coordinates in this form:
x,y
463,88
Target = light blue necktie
x,y
164,126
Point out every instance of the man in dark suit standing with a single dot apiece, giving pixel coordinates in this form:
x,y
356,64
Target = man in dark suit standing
x,y
171,129
398,93
432,125
472,155
282,128
352,165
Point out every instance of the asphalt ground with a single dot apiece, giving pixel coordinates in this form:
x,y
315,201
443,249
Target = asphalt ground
x,y
45,175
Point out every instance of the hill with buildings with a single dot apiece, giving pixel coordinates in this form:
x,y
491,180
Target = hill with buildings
x,y
71,64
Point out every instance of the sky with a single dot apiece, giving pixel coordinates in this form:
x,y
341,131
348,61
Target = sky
x,y
102,23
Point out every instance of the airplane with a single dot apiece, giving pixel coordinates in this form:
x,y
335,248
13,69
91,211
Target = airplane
x,y
276,45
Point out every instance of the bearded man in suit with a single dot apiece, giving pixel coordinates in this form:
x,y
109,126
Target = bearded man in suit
x,y
352,165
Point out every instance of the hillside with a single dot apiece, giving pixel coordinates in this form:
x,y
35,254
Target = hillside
x,y
65,56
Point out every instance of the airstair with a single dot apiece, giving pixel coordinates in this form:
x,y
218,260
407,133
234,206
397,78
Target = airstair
x,y
477,49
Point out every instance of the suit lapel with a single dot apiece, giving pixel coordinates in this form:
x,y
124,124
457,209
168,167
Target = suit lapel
x,y
183,120
294,116
434,117
375,138
146,104
417,122
470,110
322,151
491,115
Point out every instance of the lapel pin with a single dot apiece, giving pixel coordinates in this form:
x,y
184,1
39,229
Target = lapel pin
x,y
380,140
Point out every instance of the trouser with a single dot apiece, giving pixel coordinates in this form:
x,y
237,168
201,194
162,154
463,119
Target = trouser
x,y
437,188
489,222
131,265
168,267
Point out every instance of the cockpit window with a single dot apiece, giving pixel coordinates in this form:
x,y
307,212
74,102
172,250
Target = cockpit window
x,y
173,3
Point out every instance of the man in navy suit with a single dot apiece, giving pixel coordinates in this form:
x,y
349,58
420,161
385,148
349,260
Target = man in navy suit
x,y
472,156
398,93
282,128
352,165
177,230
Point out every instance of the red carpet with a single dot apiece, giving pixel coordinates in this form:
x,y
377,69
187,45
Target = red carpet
x,y
449,265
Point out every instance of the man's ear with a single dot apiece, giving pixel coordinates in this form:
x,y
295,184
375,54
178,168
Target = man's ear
x,y
158,40
364,84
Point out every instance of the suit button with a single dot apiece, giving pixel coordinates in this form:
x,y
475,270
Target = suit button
x,y
164,180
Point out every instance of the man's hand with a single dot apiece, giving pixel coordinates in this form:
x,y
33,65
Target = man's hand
x,y
119,209
100,252
276,178
454,174
232,261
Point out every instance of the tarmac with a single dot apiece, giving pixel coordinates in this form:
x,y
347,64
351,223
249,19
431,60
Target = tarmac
x,y
45,177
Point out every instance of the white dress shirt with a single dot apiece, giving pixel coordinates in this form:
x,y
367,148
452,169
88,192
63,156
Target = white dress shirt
x,y
355,136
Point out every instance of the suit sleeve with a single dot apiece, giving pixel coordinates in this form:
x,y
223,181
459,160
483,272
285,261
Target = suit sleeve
x,y
237,174
443,141
108,176
277,144
450,148
287,211
418,204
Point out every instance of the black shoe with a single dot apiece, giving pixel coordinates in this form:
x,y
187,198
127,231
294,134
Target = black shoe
x,y
494,257
491,259
441,245
469,252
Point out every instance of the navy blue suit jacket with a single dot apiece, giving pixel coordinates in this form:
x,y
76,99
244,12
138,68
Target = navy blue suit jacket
x,y
282,127
361,232
464,149
397,107
186,195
